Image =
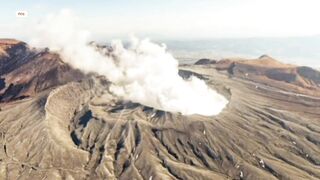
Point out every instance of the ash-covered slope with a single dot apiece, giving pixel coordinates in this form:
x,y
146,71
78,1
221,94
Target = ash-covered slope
x,y
79,130
268,71
25,71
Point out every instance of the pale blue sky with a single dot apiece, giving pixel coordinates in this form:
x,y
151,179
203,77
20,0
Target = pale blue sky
x,y
181,19
165,20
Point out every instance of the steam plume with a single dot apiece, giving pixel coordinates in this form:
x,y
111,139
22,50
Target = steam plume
x,y
143,72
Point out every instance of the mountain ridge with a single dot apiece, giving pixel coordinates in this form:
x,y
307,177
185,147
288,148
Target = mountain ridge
x,y
74,128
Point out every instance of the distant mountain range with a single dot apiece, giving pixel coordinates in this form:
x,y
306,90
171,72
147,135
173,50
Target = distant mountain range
x,y
59,123
298,50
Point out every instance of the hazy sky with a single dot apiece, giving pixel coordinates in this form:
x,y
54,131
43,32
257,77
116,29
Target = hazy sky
x,y
181,19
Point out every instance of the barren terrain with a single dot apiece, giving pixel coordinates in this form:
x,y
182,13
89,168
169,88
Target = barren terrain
x,y
57,123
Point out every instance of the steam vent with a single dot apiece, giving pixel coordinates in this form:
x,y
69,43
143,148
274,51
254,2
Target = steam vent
x,y
57,122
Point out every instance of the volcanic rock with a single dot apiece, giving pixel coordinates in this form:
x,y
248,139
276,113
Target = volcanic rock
x,y
25,71
205,61
72,127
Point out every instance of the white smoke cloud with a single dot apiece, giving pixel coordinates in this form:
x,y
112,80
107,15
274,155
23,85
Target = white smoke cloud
x,y
143,72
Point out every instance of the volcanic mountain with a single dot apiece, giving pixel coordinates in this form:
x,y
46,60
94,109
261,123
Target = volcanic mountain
x,y
58,123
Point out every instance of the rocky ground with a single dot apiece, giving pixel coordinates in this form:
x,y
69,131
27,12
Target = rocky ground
x,y
57,123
